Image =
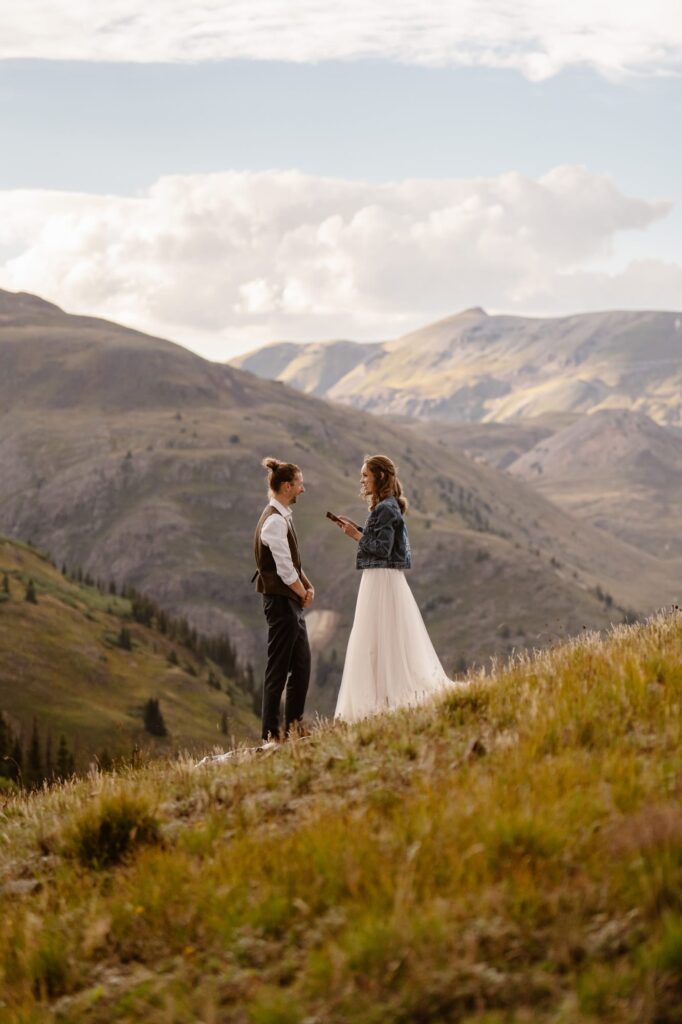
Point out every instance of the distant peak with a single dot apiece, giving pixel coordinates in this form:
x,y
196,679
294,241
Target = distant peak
x,y
11,301
473,311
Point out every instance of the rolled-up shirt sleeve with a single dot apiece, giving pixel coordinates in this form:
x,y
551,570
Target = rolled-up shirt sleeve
x,y
275,535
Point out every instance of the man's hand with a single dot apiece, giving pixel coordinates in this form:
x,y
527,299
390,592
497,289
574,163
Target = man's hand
x,y
309,597
300,591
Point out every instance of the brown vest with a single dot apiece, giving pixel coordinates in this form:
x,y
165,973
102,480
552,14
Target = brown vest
x,y
266,573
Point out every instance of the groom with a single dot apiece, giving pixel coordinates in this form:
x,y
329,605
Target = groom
x,y
286,592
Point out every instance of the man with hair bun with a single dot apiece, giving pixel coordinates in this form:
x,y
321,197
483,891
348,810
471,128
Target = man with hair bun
x,y
286,592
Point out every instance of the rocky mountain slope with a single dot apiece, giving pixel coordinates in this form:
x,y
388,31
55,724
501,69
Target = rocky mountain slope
x,y
617,469
140,462
473,367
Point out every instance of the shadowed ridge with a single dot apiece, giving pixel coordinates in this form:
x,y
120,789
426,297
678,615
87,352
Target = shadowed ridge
x,y
50,359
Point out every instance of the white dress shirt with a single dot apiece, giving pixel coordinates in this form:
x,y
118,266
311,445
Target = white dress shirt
x,y
275,535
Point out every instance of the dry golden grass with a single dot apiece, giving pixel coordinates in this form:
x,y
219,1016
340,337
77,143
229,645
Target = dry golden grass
x,y
510,853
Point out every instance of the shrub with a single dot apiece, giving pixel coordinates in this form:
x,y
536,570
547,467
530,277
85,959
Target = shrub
x,y
111,830
49,967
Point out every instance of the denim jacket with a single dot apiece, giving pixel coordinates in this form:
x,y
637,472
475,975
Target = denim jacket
x,y
384,543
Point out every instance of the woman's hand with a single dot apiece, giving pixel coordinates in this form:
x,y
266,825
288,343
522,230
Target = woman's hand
x,y
349,527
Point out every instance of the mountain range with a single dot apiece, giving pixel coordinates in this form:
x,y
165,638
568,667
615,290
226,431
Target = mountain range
x,y
139,461
472,367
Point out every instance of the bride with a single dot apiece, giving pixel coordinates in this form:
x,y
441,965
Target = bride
x,y
390,660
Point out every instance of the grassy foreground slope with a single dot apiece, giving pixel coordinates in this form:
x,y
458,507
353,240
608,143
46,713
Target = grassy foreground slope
x,y
61,662
512,853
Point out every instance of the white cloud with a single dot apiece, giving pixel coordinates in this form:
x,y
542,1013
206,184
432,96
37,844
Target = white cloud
x,y
226,261
537,37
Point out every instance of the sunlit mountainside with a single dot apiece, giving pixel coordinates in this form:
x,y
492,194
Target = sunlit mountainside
x,y
474,367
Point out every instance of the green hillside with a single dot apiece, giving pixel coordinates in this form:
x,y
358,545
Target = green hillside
x,y
61,661
510,854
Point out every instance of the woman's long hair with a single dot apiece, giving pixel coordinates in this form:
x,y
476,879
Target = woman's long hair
x,y
386,482
279,473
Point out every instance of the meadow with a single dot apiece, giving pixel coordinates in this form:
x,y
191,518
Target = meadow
x,y
510,852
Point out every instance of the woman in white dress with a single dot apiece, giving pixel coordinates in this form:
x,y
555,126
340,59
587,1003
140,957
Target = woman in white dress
x,y
390,660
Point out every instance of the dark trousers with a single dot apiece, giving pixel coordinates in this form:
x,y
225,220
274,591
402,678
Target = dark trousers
x,y
288,663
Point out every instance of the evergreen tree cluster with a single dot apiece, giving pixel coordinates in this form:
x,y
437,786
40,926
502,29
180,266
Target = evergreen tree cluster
x,y
147,612
218,649
33,762
30,593
29,762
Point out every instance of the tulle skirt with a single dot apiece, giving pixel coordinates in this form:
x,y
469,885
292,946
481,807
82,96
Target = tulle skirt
x,y
390,660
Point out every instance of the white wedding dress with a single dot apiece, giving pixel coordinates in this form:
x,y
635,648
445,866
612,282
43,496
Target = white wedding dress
x,y
390,660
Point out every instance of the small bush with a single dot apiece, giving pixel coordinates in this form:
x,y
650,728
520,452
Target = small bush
x,y
668,956
50,970
110,831
463,705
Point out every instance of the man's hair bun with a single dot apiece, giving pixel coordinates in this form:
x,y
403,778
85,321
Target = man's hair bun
x,y
279,472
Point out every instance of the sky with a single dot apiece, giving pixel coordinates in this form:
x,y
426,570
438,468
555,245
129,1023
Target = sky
x,y
230,174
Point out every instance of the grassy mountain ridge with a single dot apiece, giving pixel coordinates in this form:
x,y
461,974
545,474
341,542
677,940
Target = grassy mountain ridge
x,y
61,661
472,367
509,853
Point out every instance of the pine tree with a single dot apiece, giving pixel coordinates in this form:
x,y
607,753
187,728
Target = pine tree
x,y
124,639
64,759
105,761
5,744
31,595
5,584
34,768
153,719
256,698
224,724
16,761
49,766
